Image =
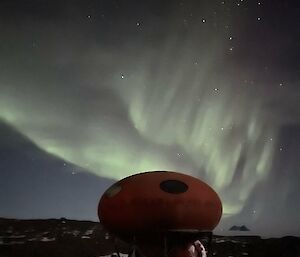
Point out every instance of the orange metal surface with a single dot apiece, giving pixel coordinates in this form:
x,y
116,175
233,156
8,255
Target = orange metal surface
x,y
138,204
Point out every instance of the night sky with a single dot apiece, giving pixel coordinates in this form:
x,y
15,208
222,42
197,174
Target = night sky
x,y
93,91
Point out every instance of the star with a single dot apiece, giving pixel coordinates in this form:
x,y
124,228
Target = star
x,y
199,89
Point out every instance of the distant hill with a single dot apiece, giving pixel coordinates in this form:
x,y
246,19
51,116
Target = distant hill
x,y
239,228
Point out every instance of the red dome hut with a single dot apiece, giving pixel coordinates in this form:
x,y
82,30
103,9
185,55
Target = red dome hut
x,y
154,203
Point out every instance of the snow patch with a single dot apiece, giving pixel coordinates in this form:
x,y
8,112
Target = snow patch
x,y
89,232
46,239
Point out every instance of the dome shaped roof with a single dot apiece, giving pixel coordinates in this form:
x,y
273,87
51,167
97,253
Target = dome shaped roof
x,y
159,201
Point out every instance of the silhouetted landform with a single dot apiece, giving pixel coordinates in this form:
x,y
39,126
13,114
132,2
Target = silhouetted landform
x,y
239,228
70,238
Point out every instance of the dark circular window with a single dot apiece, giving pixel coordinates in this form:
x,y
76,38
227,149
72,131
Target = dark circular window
x,y
173,186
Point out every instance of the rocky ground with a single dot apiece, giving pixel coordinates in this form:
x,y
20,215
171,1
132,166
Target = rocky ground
x,y
68,238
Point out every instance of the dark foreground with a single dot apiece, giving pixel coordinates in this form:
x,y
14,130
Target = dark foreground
x,y
68,238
